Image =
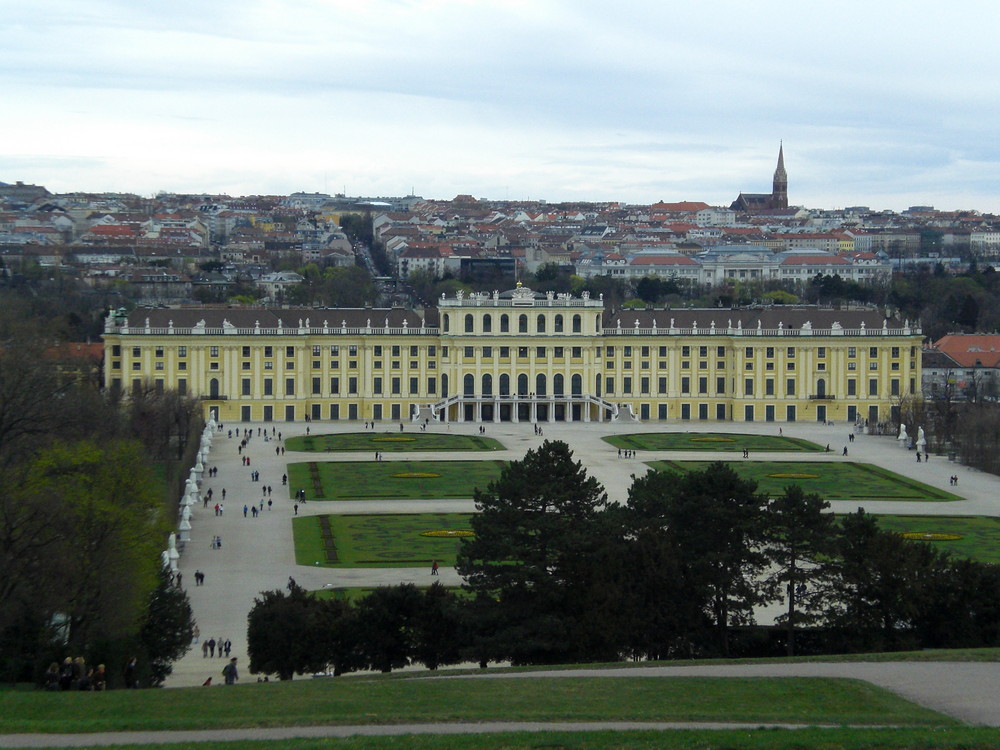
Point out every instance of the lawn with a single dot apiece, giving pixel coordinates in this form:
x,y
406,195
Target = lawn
x,y
378,541
392,442
708,441
979,535
960,738
391,480
394,700
831,480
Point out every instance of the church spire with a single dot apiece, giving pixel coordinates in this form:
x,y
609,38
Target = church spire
x,y
779,187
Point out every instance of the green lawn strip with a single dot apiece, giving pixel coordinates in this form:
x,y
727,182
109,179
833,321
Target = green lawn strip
x,y
355,593
393,701
391,442
831,480
379,540
708,441
980,535
951,738
391,480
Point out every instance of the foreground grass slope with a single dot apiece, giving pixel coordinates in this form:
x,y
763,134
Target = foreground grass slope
x,y
364,700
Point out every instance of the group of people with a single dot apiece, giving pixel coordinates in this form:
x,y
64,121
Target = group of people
x,y
75,675
209,647
627,453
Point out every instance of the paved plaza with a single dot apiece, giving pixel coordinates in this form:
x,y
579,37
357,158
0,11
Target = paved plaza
x,y
257,554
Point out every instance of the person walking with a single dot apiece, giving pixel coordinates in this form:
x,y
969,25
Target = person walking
x,y
230,673
211,646
434,568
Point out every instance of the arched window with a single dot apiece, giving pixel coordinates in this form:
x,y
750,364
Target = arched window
x,y
522,385
213,388
558,326
821,387
444,386
576,385
522,324
469,325
597,385
447,323
505,323
487,385
487,323
577,324
505,385
597,323
557,385
540,385
469,385
540,327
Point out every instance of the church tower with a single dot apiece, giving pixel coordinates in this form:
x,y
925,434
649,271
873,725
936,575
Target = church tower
x,y
779,188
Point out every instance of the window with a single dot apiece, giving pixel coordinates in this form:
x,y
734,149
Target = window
x,y
377,352
661,385
627,351
182,387
577,323
137,365
316,386
852,351
748,387
469,352
334,351
352,350
685,384
748,351
334,385
316,364
289,351
377,385
769,352
487,323
790,353
268,351
557,325
159,365
413,351
395,351
663,351
431,351
540,324
873,365
769,387
610,351
540,352
289,386
396,386
316,351
820,352
135,351
268,387
352,386
609,386
269,365
685,351
468,324
702,385
504,323
504,352
720,386
626,385
245,387
894,387
431,386
720,351
873,387
873,351
487,352
644,386
414,386
377,364
213,351
159,351
790,387
522,324
852,365
522,352
116,350
558,352
577,352
852,387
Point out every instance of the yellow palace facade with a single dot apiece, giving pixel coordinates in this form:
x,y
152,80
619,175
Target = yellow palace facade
x,y
520,356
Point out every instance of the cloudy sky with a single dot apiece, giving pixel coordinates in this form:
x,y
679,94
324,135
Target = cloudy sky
x,y
885,104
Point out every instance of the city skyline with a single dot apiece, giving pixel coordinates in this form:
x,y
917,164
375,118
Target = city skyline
x,y
561,101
